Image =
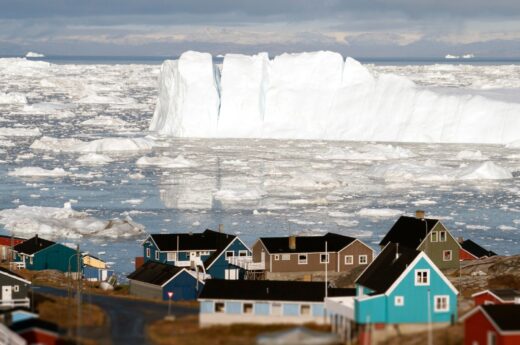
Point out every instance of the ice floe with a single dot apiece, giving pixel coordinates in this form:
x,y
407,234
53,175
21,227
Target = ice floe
x,y
38,172
19,132
116,145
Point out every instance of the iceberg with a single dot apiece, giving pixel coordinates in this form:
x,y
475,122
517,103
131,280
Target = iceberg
x,y
34,55
318,95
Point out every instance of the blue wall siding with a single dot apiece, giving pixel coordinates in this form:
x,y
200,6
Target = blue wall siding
x,y
207,307
382,309
55,257
234,307
317,309
262,308
219,266
291,309
184,287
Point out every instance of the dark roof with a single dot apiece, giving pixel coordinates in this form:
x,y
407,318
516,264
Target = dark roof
x,y
34,323
270,290
5,270
409,231
155,273
385,269
307,244
33,245
207,240
506,294
506,316
475,249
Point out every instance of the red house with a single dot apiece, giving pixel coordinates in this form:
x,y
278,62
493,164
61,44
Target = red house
x,y
37,331
496,296
492,325
469,250
5,245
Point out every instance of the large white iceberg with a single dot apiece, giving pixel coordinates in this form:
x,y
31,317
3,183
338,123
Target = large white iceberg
x,y
318,95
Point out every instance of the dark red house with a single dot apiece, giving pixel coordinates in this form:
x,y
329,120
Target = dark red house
x,y
497,324
470,250
496,296
5,246
37,331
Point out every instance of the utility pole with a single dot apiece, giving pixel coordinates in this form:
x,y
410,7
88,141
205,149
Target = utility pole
x,y
78,276
326,270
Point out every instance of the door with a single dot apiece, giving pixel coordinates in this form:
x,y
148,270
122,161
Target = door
x,y
7,293
231,274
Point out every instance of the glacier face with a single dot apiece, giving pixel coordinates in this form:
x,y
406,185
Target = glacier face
x,y
318,95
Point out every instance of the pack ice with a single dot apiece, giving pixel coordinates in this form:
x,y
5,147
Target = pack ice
x,y
318,95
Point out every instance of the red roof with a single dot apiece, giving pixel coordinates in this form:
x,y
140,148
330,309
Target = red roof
x,y
6,240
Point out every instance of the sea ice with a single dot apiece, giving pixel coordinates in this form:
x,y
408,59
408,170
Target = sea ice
x,y
38,172
19,132
12,98
166,162
114,145
105,121
94,159
379,212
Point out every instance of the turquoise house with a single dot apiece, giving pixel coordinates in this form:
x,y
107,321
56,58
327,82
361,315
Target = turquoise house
x,y
210,251
403,286
40,254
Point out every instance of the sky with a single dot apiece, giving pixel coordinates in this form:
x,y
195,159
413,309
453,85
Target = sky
x,y
359,28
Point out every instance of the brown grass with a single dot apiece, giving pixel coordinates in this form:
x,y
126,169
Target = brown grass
x,y
63,312
453,335
186,331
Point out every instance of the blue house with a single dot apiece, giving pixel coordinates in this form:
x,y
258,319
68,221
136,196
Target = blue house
x,y
40,254
224,302
210,251
155,280
404,287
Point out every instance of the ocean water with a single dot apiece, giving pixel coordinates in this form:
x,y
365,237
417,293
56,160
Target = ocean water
x,y
254,187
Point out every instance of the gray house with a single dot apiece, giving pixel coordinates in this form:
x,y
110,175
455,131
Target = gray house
x,y
14,291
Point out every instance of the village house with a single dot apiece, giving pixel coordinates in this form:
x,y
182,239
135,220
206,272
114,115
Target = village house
x,y
6,243
14,290
496,296
156,280
37,331
224,302
293,257
428,235
40,254
492,325
12,315
210,251
401,291
469,250
95,269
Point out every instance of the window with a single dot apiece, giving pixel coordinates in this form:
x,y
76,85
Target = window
x,y
242,253
16,288
324,258
363,260
276,309
230,254
305,310
31,260
399,301
219,307
147,252
446,255
349,259
247,308
442,236
434,236
491,338
422,277
156,255
302,259
171,257
441,303
286,257
276,257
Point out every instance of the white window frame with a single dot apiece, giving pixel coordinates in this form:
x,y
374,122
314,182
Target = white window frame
x,y
441,310
399,301
242,253
30,260
302,262
360,261
443,234
229,256
157,257
171,256
322,255
491,338
434,238
223,307
351,259
286,257
444,257
16,288
276,257
301,309
148,252
417,283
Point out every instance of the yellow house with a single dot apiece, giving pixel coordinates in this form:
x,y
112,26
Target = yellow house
x,y
92,261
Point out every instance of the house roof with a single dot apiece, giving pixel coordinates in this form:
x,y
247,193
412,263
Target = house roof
x,y
475,249
409,231
506,295
32,323
385,269
207,240
6,240
14,275
154,273
307,244
505,316
270,290
33,245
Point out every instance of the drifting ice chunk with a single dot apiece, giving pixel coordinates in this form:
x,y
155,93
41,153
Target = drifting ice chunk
x,y
116,145
94,159
38,172
34,55
20,132
12,98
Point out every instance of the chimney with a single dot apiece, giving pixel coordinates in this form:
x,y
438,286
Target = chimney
x,y
292,242
221,228
420,214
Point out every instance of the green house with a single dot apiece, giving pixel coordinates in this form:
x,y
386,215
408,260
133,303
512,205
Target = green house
x,y
40,254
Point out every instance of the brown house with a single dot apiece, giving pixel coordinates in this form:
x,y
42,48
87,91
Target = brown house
x,y
310,254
